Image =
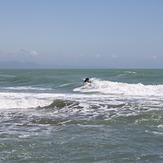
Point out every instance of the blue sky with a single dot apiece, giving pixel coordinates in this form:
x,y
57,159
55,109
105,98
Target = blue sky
x,y
83,33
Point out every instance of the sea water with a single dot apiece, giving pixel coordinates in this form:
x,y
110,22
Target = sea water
x,y
51,116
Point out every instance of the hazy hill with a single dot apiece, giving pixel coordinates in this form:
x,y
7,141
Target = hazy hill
x,y
30,65
19,65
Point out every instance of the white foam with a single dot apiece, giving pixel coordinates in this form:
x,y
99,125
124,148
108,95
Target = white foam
x,y
130,72
9,100
24,100
108,87
26,88
160,126
111,94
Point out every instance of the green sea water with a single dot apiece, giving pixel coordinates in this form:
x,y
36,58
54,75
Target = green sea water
x,y
51,116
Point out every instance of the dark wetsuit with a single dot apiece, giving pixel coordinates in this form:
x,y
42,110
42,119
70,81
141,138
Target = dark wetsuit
x,y
86,80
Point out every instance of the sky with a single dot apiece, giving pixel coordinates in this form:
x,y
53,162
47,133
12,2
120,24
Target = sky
x,y
83,33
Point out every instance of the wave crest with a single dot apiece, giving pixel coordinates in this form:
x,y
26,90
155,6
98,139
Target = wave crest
x,y
59,104
119,88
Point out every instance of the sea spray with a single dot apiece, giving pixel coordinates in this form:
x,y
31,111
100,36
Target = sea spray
x,y
117,88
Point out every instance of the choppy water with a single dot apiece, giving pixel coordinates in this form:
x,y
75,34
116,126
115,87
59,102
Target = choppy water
x,y
50,116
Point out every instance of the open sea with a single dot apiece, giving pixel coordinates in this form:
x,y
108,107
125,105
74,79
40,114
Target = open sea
x,y
51,116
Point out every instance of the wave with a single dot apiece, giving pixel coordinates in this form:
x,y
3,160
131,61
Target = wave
x,y
11,100
57,109
98,94
26,88
130,72
119,88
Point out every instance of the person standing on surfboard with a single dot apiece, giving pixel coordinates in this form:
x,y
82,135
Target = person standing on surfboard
x,y
87,80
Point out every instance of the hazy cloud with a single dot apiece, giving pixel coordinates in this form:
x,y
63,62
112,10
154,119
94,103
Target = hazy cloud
x,y
34,53
98,55
18,55
114,56
152,57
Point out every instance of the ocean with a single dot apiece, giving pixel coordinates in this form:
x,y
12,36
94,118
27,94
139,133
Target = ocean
x,y
51,116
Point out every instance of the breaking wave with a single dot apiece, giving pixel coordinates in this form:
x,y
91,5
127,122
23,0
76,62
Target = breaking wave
x,y
99,99
119,88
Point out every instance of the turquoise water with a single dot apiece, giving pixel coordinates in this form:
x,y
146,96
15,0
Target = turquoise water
x,y
51,116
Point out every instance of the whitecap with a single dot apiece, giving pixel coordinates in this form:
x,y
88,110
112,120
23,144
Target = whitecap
x,y
119,88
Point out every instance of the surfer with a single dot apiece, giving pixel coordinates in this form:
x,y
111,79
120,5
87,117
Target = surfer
x,y
87,80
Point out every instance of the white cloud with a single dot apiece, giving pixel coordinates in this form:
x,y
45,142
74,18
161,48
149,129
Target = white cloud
x,y
18,55
34,53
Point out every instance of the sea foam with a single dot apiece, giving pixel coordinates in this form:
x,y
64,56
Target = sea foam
x,y
119,88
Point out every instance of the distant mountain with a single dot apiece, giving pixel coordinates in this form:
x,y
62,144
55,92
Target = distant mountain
x,y
30,65
19,65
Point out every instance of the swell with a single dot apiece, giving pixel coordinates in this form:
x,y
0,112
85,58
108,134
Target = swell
x,y
34,80
31,78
